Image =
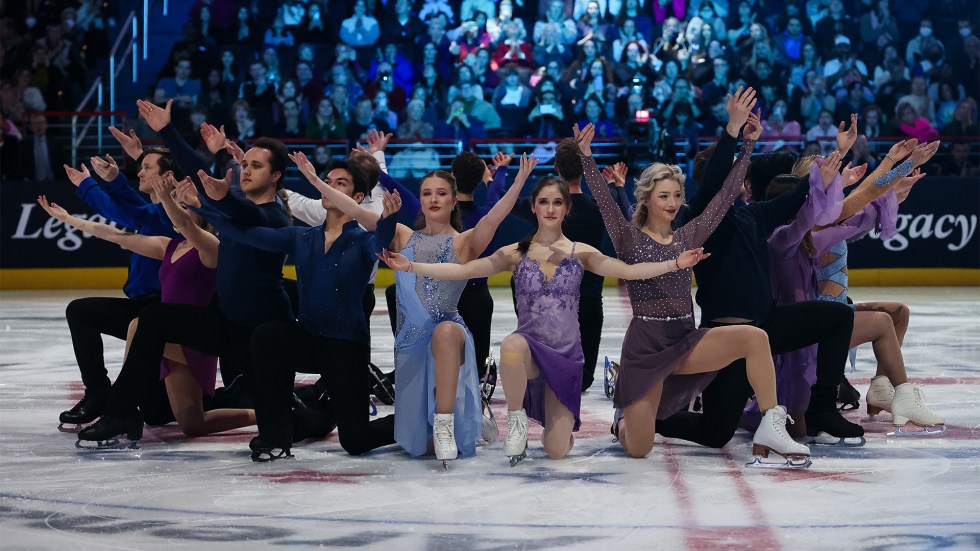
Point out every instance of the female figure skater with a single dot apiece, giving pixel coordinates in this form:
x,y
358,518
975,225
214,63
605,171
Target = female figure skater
x,y
438,399
661,342
187,276
541,362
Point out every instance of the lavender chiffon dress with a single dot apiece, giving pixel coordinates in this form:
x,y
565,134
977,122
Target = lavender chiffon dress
x,y
547,317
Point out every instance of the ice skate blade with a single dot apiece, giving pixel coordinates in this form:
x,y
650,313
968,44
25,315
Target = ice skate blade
x,y
911,430
609,375
515,459
266,456
825,439
72,428
793,462
112,444
445,464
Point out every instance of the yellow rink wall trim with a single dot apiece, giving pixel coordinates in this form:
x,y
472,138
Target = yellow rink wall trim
x,y
114,278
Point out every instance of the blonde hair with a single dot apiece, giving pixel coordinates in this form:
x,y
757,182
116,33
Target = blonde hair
x,y
648,180
803,164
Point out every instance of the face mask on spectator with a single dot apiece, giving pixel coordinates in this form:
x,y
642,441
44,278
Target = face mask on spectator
x,y
925,31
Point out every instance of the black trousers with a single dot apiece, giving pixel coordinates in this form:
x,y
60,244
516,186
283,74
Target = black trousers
x,y
827,324
590,318
89,319
202,328
282,348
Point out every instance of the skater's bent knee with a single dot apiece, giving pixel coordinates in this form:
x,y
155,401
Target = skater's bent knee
x,y
513,344
447,330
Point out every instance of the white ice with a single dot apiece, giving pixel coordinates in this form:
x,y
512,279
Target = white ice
x,y
891,494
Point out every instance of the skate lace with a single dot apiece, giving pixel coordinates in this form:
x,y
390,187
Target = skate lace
x,y
513,423
917,393
443,432
790,419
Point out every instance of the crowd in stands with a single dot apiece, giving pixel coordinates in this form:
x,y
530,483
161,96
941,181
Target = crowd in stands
x,y
322,69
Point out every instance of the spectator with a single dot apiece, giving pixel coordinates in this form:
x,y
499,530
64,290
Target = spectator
x,y
628,34
278,35
231,73
966,65
823,130
482,72
809,61
383,110
682,94
364,121
495,26
916,48
181,88
260,95
595,113
919,100
738,29
872,124
959,163
948,101
242,30
360,31
670,35
513,50
587,53
43,155
314,30
878,27
431,84
713,123
341,77
854,102
777,126
511,92
243,126
546,118
845,67
469,8
631,10
326,123
837,23
477,107
402,27
964,121
309,88
861,152
550,46
594,83
816,100
592,24
458,125
415,127
290,90
633,67
270,57
321,159
556,17
290,125
683,125
711,16
912,125
719,85
216,97
432,8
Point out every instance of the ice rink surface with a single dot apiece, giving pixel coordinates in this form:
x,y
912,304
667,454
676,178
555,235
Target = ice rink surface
x,y
910,493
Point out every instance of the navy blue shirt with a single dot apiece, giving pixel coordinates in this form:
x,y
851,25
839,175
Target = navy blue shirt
x,y
250,287
735,280
331,284
118,202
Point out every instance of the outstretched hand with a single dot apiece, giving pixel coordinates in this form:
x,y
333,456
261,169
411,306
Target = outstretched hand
x,y
904,186
527,167
215,139
923,152
616,174
164,187
155,117
392,202
829,167
215,188
502,159
739,109
52,209
851,176
186,193
377,141
583,138
753,126
236,152
77,176
689,258
304,165
107,169
901,149
394,260
845,140
131,144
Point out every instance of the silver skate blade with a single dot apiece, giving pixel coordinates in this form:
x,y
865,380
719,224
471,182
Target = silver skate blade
x,y
911,430
515,459
790,463
445,464
70,428
825,439
105,445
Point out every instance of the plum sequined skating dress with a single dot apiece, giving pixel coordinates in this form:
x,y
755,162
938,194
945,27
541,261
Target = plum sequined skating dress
x,y
662,332
547,317
423,303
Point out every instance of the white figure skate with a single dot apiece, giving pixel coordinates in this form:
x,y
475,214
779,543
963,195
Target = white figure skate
x,y
515,446
771,437
444,438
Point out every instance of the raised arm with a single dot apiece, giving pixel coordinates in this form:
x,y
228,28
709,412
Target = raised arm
x,y
598,263
615,176
617,226
144,245
495,189
720,164
204,241
384,231
410,203
158,118
363,215
474,241
823,175
697,231
503,260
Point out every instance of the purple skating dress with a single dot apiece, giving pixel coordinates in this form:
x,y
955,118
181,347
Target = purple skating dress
x,y
662,332
187,281
547,318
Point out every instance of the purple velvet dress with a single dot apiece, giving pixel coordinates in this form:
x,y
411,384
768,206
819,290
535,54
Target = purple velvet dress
x,y
547,317
662,332
794,272
187,281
